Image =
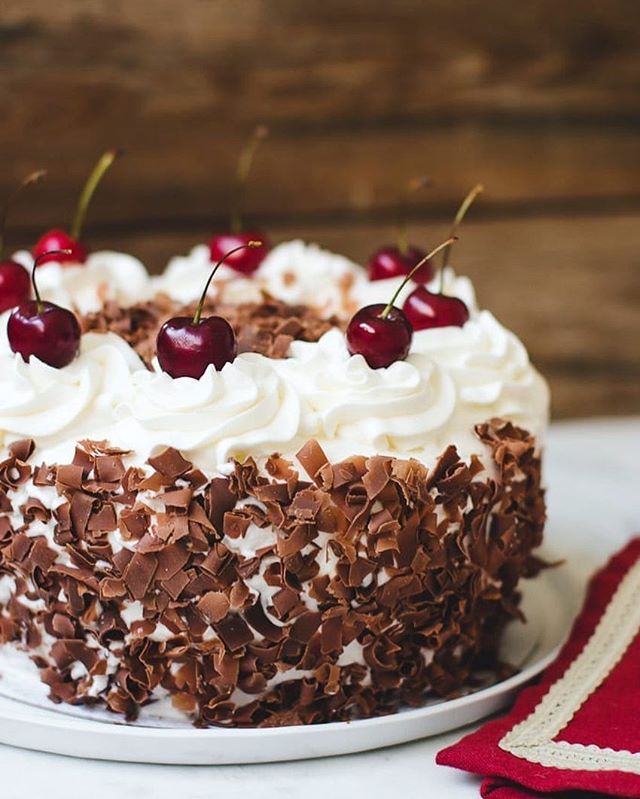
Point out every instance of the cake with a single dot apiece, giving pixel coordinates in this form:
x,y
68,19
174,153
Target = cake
x,y
295,538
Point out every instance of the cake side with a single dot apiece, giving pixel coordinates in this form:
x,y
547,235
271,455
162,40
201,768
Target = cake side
x,y
269,596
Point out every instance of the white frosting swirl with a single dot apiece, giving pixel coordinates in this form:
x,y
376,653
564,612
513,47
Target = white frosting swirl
x,y
352,408
107,393
245,409
453,379
57,407
85,287
300,273
295,272
492,373
185,277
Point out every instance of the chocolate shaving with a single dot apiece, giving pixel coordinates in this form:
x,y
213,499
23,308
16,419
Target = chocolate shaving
x,y
139,573
233,630
266,327
170,463
109,468
214,606
312,458
22,450
69,476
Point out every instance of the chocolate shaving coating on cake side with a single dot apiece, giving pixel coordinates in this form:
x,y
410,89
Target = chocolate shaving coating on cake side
x,y
268,327
386,582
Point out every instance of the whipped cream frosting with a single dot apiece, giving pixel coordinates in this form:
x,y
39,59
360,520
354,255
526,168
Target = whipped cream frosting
x,y
185,276
294,272
300,273
85,287
452,379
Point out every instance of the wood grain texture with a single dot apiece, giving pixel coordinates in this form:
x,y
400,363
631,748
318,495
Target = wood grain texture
x,y
540,101
355,60
341,175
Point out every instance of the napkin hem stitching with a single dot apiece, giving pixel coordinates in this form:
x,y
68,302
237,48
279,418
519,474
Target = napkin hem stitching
x,y
532,738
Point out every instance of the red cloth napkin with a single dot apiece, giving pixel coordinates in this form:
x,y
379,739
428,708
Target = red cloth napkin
x,y
578,729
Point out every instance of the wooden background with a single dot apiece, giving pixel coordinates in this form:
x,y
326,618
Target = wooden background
x,y
539,100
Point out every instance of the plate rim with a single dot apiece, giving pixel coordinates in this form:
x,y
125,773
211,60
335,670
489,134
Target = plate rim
x,y
49,719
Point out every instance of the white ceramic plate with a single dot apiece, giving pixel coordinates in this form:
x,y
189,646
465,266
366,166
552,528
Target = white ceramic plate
x,y
28,720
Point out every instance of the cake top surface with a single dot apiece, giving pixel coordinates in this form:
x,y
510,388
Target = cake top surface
x,y
293,380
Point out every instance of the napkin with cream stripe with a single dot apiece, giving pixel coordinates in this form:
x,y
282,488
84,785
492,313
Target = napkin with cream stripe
x,y
578,729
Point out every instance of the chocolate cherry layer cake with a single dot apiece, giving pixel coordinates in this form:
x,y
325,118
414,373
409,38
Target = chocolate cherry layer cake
x,y
299,535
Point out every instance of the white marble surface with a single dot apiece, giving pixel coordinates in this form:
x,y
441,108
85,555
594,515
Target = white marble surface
x,y
592,468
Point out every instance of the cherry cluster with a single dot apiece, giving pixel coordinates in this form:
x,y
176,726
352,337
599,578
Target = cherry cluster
x,y
187,346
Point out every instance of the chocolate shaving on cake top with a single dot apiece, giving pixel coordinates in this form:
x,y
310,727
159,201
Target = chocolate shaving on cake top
x,y
267,328
386,582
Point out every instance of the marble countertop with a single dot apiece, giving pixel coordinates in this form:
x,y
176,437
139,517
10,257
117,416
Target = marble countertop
x,y
592,470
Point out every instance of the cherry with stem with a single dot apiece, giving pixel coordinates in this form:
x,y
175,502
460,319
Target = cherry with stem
x,y
381,333
42,329
186,346
429,309
396,260
245,260
57,240
15,281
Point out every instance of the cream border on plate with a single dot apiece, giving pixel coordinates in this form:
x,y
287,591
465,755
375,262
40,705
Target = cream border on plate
x,y
532,738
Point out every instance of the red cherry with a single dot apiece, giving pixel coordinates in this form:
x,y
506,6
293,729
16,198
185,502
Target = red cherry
x,y
393,262
233,246
186,346
397,260
381,340
186,349
44,330
15,284
426,309
69,243
56,241
382,333
245,259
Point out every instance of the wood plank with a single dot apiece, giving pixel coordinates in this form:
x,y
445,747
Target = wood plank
x,y
575,397
543,107
326,61
177,178
568,286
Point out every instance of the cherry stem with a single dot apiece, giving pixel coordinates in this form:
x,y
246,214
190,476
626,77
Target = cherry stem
x,y
421,262
89,188
198,313
460,215
34,177
245,162
414,185
36,262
